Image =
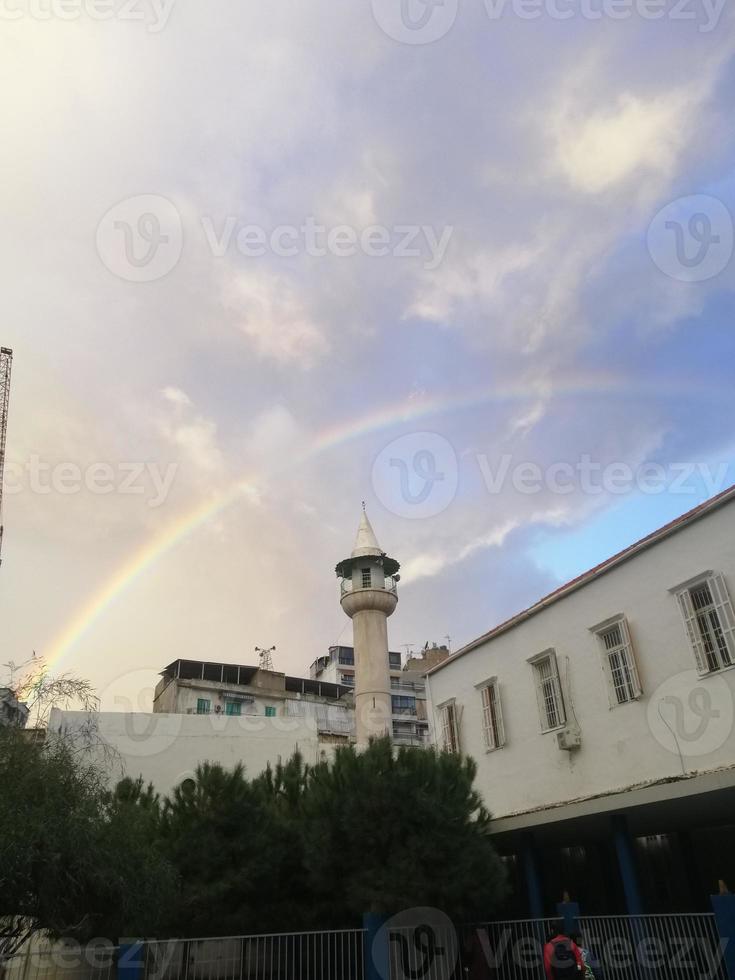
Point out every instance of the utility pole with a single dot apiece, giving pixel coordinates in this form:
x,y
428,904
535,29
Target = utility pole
x,y
6,362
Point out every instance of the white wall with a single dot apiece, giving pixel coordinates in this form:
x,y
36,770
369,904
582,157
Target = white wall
x,y
166,748
619,747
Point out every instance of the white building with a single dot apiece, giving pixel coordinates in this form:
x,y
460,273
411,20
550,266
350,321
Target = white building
x,y
601,720
165,749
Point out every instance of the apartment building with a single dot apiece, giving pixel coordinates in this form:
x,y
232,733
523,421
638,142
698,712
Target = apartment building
x,y
410,719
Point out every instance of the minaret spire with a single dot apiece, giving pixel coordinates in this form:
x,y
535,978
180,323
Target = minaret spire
x,y
366,543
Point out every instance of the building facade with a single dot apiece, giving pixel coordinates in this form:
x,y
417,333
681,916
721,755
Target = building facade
x,y
165,749
602,723
409,712
13,713
196,687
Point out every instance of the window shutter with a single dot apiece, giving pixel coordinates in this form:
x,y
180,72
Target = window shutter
x,y
721,598
630,655
499,724
690,624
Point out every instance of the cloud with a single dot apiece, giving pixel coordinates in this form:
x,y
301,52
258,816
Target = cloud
x,y
268,310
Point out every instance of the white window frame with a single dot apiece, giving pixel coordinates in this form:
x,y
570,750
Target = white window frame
x,y
711,629
493,726
619,661
366,572
542,694
449,716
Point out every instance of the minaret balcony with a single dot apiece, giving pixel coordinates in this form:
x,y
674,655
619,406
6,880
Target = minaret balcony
x,y
382,600
391,585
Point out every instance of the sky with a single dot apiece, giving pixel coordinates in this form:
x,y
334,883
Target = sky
x,y
470,262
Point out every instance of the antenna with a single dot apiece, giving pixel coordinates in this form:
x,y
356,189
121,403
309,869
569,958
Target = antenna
x,y
6,362
448,638
265,658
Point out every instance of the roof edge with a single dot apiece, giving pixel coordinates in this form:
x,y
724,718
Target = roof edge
x,y
678,524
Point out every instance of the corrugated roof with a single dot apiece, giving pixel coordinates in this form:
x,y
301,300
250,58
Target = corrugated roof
x,y
592,573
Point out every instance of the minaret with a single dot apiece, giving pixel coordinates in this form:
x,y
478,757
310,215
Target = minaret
x,y
369,595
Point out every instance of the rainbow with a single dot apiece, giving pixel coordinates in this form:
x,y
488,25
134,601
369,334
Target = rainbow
x,y
412,409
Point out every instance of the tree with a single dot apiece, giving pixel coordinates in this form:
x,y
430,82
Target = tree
x,y
387,831
302,847
75,860
31,683
220,834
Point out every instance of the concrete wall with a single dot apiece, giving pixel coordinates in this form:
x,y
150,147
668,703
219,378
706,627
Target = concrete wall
x,y
166,748
622,745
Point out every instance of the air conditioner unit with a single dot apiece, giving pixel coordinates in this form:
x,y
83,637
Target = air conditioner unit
x,y
569,739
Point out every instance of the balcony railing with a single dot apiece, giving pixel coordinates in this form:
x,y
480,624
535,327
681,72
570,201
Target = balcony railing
x,y
391,585
412,686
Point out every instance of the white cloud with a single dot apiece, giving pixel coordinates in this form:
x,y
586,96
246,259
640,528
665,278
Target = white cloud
x,y
268,309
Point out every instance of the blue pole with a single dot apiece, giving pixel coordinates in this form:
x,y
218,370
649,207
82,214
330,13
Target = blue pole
x,y
377,947
626,864
130,960
568,912
533,879
724,909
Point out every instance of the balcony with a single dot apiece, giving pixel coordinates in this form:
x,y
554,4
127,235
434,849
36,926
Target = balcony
x,y
391,585
411,686
406,738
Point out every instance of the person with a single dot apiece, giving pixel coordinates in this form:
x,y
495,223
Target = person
x,y
577,939
562,957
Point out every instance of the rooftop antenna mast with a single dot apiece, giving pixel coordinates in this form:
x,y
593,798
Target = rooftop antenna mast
x,y
6,362
265,657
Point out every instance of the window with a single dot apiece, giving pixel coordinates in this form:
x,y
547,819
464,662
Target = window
x,y
403,705
233,708
492,716
450,727
204,706
346,656
710,624
548,691
394,661
270,712
347,679
366,579
619,661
